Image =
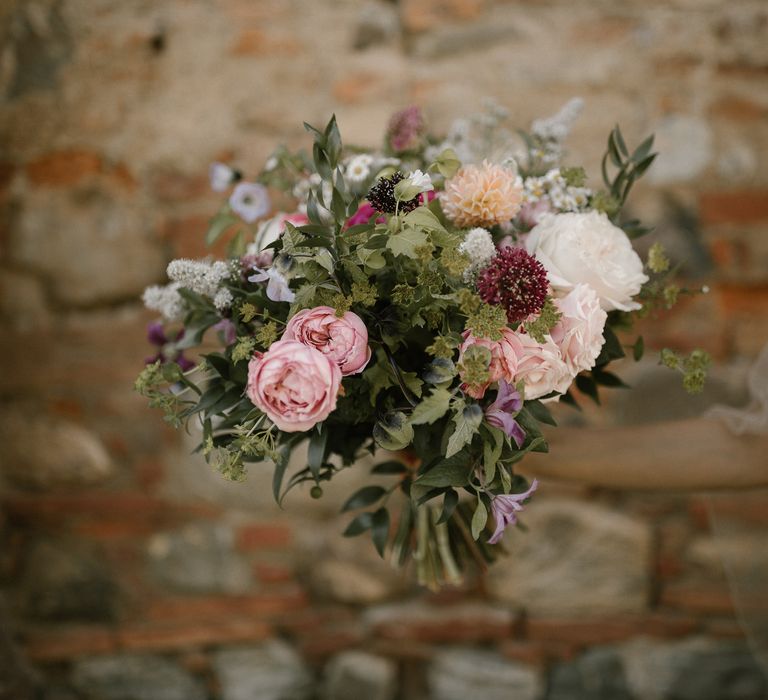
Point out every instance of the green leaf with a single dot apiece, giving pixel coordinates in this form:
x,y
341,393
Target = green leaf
x,y
586,385
432,407
366,496
479,519
608,379
540,412
611,350
467,423
450,501
453,471
421,217
218,224
358,525
380,529
619,140
638,349
390,467
281,464
406,242
642,150
448,163
316,451
492,452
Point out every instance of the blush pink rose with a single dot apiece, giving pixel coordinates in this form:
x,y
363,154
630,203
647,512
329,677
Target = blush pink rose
x,y
294,384
579,333
343,340
541,368
505,354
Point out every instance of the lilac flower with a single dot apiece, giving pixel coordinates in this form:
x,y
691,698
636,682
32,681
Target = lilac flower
x,y
250,200
220,176
277,285
167,351
505,509
500,414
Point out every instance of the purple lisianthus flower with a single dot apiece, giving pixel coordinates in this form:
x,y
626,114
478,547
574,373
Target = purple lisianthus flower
x,y
250,201
505,508
277,285
227,329
167,351
500,414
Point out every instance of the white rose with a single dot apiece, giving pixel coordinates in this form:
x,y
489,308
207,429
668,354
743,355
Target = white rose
x,y
579,333
586,247
541,368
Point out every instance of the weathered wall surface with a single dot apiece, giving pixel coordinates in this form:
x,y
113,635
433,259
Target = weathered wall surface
x,y
126,564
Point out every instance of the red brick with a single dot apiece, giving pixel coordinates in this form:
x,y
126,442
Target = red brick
x,y
7,171
273,573
704,598
191,634
725,629
64,643
255,42
605,631
329,641
736,299
538,653
257,536
174,186
213,607
732,507
734,207
355,88
63,168
425,15
444,628
737,109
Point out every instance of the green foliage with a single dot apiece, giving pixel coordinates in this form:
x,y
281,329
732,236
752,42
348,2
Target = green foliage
x,y
487,321
547,319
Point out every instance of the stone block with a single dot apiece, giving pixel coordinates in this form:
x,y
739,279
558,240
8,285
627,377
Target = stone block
x,y
577,558
353,675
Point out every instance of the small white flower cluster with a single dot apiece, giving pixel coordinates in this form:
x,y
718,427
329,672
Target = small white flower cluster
x,y
551,132
360,168
203,278
166,300
478,246
554,189
558,126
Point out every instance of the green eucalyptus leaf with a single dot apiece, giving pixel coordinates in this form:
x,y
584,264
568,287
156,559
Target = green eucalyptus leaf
x,y
358,525
366,496
380,529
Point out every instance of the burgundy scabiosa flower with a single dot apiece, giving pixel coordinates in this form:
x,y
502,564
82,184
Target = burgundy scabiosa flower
x,y
382,196
516,281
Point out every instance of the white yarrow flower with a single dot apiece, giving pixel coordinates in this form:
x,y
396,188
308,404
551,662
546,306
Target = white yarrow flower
x,y
478,246
166,300
200,277
223,299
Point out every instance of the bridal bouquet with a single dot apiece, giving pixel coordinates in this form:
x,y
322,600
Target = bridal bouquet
x,y
429,299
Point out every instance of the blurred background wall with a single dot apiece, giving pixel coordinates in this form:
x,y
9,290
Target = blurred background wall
x,y
129,570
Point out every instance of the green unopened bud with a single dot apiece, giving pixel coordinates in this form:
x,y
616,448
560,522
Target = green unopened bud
x,y
316,492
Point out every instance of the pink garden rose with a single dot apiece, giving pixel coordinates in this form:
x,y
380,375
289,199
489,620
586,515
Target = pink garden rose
x,y
541,368
294,384
343,340
505,354
579,333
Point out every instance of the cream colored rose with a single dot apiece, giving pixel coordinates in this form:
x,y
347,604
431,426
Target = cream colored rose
x,y
587,248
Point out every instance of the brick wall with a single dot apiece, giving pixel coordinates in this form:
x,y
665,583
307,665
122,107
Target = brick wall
x,y
126,564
